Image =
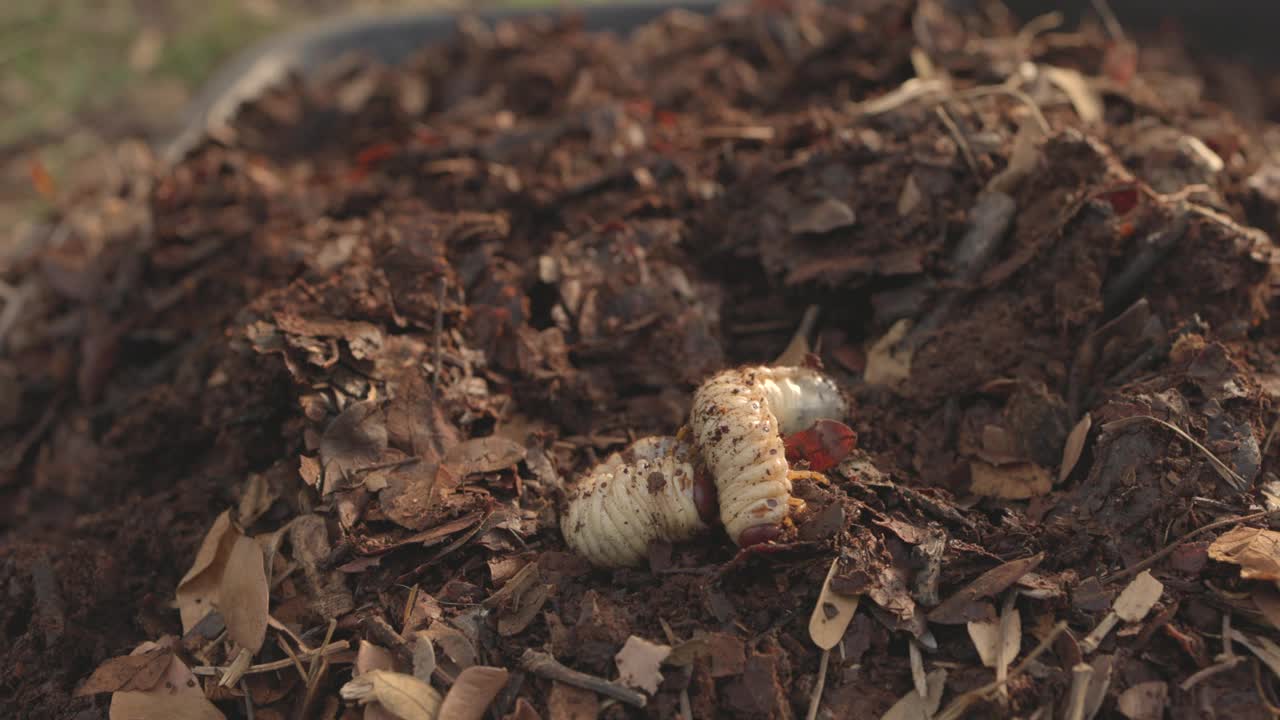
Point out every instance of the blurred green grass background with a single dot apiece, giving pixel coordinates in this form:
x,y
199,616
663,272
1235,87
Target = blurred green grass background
x,y
77,75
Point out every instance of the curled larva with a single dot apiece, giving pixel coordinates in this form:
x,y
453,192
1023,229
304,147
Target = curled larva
x,y
738,420
646,492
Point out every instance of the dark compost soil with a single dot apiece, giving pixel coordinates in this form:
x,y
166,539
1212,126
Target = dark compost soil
x,y
1043,269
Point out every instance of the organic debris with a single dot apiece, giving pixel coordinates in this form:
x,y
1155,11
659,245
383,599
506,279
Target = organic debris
x,y
305,408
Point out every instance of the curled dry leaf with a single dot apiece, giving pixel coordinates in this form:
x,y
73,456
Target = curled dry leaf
x,y
404,696
1009,482
1074,448
129,672
198,589
888,362
832,614
956,609
1083,95
457,647
639,662
1255,550
177,696
914,707
373,657
1144,701
243,595
355,439
472,692
424,656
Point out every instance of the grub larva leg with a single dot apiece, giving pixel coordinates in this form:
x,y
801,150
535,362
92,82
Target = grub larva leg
x,y
738,420
642,494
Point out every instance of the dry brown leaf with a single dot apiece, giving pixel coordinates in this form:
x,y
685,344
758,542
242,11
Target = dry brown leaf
x,y
1023,159
424,656
832,613
472,692
1009,482
1083,95
888,364
1074,447
198,590
1255,550
177,697
910,197
129,672
914,707
1144,701
820,214
483,455
404,696
255,499
243,595
638,663
986,638
566,702
455,644
372,657
309,470
955,609
354,440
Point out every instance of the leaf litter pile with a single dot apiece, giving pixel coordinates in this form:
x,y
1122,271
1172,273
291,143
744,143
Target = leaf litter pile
x,y
287,429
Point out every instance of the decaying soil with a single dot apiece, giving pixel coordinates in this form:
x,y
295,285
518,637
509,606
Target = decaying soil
x,y
1044,271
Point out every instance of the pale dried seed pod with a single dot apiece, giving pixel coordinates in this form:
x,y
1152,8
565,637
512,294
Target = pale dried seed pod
x,y
739,417
642,494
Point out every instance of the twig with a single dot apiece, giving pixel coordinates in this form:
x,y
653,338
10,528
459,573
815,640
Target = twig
x,y
961,704
540,663
1231,476
218,670
248,699
1109,19
816,698
318,666
297,662
1081,675
950,124
438,350
1210,671
1164,551
1013,92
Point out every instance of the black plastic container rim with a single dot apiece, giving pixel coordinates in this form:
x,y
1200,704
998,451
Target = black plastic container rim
x,y
1243,29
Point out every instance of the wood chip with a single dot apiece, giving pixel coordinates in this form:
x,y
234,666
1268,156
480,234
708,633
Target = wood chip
x,y
639,662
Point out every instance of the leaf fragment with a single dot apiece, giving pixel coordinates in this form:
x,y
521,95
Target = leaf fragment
x,y
243,595
956,609
128,672
1255,550
472,693
404,696
1020,481
1074,447
914,707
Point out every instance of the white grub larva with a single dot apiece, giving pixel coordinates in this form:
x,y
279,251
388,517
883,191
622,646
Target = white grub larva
x,y
644,493
738,420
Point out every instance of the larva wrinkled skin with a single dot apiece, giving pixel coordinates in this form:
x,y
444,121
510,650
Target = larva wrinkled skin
x,y
642,494
738,420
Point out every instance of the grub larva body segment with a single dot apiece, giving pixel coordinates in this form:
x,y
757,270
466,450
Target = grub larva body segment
x,y
642,494
738,420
